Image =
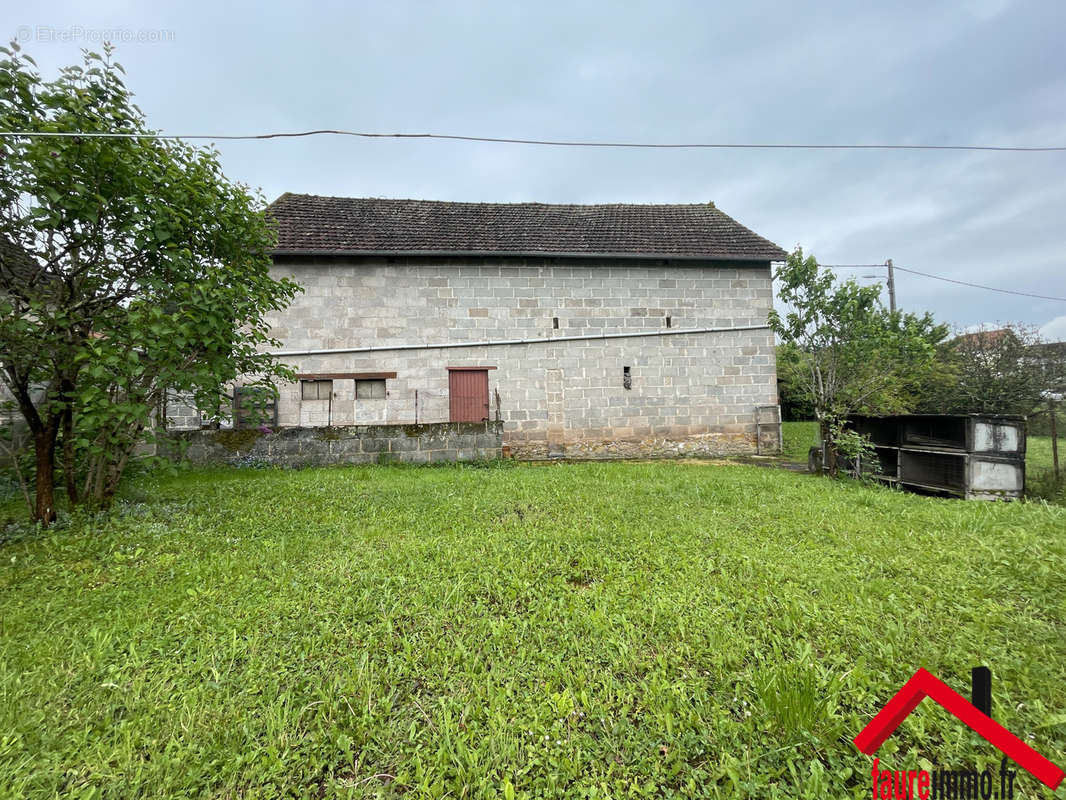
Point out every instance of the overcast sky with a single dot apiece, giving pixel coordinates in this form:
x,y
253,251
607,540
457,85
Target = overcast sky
x,y
965,72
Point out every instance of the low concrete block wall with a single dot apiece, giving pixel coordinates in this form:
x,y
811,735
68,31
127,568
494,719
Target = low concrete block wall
x,y
352,444
674,444
707,445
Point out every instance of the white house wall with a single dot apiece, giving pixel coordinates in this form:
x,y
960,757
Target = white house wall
x,y
691,393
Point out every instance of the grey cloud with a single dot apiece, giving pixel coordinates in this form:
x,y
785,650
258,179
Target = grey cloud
x,y
977,71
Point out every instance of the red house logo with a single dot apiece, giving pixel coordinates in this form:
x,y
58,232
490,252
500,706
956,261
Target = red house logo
x,y
924,684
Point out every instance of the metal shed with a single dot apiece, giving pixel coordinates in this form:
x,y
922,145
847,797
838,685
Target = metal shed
x,y
973,456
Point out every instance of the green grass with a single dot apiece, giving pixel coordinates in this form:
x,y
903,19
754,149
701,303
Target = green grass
x,y
588,630
799,437
1039,469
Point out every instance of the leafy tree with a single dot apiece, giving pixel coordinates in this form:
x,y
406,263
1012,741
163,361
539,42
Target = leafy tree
x,y
997,371
129,266
792,389
847,353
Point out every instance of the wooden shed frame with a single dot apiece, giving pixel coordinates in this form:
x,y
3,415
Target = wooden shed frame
x,y
972,456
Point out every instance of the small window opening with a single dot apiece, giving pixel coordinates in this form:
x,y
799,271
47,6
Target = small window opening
x,y
669,320
316,390
555,323
370,389
627,378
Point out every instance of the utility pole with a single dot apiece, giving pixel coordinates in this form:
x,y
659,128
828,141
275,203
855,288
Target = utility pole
x,y
891,285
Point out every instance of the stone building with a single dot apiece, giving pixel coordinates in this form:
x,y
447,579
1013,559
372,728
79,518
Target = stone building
x,y
586,331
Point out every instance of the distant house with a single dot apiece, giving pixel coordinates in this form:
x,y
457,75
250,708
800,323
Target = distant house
x,y
586,330
1004,352
989,337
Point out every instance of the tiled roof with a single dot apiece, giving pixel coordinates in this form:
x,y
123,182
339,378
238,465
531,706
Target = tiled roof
x,y
19,267
322,225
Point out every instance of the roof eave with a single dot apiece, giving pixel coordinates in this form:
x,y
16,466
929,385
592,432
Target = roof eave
x,y
523,254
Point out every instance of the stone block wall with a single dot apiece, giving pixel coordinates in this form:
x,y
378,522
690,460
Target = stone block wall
x,y
690,393
354,444
181,413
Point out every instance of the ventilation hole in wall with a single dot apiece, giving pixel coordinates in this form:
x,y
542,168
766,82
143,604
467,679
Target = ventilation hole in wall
x,y
669,321
555,323
627,378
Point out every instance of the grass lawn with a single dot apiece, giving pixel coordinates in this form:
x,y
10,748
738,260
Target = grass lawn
x,y
799,437
1039,472
586,630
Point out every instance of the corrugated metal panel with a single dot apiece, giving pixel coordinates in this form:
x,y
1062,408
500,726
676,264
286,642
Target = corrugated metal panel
x,y
468,395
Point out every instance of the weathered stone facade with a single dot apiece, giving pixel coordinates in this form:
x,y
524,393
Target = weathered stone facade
x,y
691,393
351,444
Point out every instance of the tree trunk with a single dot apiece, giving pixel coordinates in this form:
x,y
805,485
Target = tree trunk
x,y
44,446
111,481
117,467
68,457
829,450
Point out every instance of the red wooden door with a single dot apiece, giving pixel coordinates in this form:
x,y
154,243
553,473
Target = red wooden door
x,y
468,395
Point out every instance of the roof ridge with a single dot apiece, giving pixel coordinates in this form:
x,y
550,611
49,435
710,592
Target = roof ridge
x,y
708,205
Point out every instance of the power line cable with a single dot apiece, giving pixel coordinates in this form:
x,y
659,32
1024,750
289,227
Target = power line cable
x,y
981,286
948,280
543,142
565,143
